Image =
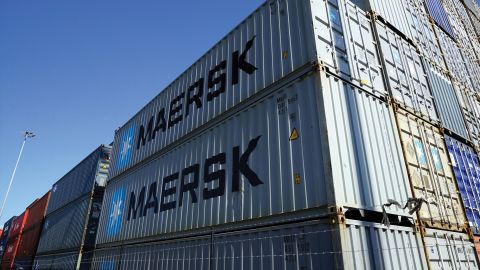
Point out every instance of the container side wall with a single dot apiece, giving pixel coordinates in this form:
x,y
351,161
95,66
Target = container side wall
x,y
271,43
64,229
263,160
446,101
363,138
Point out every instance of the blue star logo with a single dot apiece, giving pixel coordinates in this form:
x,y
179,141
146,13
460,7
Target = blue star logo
x,y
127,142
116,212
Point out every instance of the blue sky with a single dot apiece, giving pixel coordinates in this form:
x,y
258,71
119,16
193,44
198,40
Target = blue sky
x,y
74,71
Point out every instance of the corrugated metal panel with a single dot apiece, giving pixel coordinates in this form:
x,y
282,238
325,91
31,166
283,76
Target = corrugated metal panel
x,y
446,101
375,246
404,73
83,178
394,12
108,259
43,262
422,32
362,139
454,59
273,41
470,104
6,232
430,173
28,246
469,27
438,14
345,43
474,8
60,261
467,172
475,22
310,245
265,128
278,175
17,225
315,246
64,229
461,35
472,65
9,254
449,250
36,211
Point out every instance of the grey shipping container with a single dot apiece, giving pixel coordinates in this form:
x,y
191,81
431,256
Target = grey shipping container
x,y
312,245
280,37
313,141
404,72
446,101
71,231
89,174
449,250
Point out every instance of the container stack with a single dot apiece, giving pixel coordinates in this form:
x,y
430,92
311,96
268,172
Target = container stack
x,y
28,243
278,149
13,241
69,230
7,227
316,135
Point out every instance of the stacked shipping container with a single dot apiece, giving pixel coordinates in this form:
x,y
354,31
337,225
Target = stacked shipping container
x,y
13,241
6,232
70,227
27,246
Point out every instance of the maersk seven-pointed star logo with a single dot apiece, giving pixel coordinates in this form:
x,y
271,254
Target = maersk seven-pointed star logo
x,y
116,212
126,145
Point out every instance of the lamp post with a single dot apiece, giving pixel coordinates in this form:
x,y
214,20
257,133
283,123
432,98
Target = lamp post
x,y
26,135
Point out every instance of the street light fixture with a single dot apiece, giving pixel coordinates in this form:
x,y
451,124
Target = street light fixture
x,y
26,135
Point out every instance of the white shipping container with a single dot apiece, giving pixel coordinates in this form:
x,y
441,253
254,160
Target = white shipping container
x,y
454,59
449,250
277,40
304,246
422,32
430,172
316,141
404,73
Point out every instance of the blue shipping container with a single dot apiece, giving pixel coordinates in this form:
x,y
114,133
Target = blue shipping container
x,y
4,239
437,11
467,172
88,175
